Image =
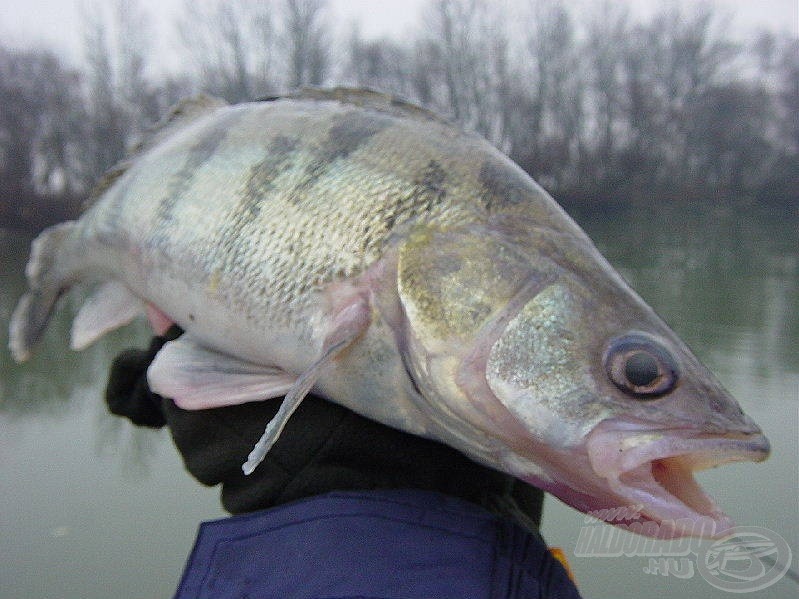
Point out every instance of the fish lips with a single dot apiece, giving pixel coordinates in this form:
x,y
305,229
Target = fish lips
x,y
651,468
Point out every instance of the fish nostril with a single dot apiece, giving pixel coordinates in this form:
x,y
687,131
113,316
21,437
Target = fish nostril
x,y
745,425
715,403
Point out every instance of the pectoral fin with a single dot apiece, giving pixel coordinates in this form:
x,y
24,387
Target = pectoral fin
x,y
348,325
111,306
197,378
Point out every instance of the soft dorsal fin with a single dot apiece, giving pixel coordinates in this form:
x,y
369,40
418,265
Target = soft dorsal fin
x,y
181,114
362,98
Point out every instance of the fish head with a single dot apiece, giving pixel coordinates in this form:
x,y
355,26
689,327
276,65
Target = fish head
x,y
558,373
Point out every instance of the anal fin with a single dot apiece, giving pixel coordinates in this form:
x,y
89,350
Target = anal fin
x,y
111,306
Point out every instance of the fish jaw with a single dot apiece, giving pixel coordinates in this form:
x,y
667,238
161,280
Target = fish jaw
x,y
649,469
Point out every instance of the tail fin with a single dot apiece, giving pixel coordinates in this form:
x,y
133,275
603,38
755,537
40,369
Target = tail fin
x,y
47,280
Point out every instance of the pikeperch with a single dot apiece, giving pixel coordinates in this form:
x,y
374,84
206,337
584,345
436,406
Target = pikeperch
x,y
355,245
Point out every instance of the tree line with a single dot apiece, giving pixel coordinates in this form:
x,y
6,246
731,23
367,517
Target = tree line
x,y
603,109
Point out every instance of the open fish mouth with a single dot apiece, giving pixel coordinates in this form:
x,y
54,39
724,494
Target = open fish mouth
x,y
653,470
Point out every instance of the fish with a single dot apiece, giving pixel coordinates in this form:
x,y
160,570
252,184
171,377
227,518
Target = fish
x,y
348,243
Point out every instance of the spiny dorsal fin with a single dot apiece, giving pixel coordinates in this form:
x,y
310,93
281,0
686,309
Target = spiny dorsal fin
x,y
362,98
180,115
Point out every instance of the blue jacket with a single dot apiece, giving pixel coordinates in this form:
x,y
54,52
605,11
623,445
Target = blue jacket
x,y
371,544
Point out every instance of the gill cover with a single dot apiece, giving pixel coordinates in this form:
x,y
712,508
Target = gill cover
x,y
453,281
540,368
458,287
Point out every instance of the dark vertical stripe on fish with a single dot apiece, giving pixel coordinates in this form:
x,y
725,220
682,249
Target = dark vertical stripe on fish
x,y
200,153
503,185
428,190
349,132
107,228
261,182
259,188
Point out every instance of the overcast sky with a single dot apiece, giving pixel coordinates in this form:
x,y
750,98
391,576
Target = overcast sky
x,y
26,22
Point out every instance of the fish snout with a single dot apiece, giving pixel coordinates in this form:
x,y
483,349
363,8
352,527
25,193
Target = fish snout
x,y
757,446
734,426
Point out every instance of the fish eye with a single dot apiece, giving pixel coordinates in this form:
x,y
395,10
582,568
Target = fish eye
x,y
640,367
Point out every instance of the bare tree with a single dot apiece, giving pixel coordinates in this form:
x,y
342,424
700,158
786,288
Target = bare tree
x,y
462,62
686,55
40,137
121,100
782,185
306,40
547,129
106,133
379,64
606,43
135,92
233,44
788,92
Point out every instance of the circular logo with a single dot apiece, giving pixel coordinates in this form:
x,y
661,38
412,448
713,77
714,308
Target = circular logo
x,y
746,559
